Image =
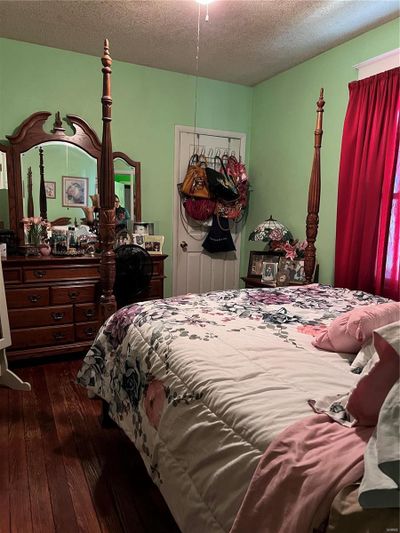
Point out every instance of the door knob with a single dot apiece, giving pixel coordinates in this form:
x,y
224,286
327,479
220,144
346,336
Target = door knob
x,y
183,245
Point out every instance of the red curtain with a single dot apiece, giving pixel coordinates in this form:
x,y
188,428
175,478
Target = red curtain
x,y
367,208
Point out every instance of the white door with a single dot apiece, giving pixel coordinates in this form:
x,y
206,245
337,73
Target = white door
x,y
196,270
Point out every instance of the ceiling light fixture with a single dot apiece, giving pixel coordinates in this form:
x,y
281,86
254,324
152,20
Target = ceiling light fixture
x,y
204,2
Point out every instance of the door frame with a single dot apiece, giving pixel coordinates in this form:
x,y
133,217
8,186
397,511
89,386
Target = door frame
x,y
201,131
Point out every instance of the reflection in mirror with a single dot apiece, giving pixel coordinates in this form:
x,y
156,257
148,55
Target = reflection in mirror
x,y
125,187
70,176
4,222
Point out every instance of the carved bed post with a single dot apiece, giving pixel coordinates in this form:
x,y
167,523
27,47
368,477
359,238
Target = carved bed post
x,y
314,193
107,197
31,211
42,190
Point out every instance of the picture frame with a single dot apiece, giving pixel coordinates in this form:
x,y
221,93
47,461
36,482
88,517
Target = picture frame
x,y
50,187
122,237
294,270
74,191
269,273
154,244
138,239
143,228
256,259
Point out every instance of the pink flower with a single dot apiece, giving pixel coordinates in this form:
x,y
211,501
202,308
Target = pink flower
x,y
154,401
290,251
302,245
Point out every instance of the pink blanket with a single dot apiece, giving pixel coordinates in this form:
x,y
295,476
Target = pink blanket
x,y
299,475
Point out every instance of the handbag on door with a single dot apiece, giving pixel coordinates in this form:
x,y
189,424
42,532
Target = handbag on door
x,y
220,184
195,182
219,238
233,210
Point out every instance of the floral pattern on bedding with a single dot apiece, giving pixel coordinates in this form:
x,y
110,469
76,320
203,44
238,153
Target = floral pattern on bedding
x,y
128,364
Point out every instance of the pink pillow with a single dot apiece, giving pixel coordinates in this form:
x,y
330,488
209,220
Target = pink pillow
x,y
370,392
348,332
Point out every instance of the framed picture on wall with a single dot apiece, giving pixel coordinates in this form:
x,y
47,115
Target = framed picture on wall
x,y
74,191
50,187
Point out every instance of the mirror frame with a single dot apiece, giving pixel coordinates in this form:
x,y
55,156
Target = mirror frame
x,y
29,134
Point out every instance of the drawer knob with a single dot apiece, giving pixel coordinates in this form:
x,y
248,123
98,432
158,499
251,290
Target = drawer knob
x,y
39,273
89,332
57,316
89,313
58,336
34,298
73,295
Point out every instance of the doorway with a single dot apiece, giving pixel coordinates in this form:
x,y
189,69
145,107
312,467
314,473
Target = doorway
x,y
194,269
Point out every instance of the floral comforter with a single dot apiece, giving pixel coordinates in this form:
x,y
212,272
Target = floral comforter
x,y
203,383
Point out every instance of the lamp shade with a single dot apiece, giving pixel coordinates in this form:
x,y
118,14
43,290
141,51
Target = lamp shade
x,y
271,230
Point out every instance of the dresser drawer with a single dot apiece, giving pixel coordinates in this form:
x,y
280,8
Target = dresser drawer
x,y
12,275
155,291
42,316
60,273
86,331
24,338
72,294
32,297
85,312
158,267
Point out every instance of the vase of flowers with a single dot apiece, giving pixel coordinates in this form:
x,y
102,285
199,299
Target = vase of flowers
x,y
36,232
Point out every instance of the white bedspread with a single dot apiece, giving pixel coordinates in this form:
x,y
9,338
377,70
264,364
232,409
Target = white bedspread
x,y
202,384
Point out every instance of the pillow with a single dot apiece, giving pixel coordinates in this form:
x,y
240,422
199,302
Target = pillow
x,y
367,397
348,332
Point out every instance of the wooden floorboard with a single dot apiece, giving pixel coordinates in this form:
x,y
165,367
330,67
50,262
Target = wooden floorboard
x,y
20,506
4,462
41,509
60,471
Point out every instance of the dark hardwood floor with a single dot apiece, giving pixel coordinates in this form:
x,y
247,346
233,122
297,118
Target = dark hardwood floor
x,y
61,471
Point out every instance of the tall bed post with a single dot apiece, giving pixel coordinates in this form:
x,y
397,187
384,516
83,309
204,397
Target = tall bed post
x,y
42,190
107,196
314,193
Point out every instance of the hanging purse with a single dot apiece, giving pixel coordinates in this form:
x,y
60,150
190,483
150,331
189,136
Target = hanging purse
x,y
219,238
195,183
199,208
220,184
237,172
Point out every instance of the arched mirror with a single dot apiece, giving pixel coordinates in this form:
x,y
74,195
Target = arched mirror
x,y
54,174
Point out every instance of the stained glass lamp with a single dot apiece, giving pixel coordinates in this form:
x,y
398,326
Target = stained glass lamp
x,y
271,230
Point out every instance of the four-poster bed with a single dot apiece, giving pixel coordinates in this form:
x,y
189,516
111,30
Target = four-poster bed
x,y
202,384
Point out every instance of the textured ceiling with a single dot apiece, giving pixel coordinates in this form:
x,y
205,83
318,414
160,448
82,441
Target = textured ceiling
x,y
245,41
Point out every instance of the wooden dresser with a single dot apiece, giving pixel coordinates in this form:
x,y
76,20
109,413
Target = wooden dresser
x,y
53,303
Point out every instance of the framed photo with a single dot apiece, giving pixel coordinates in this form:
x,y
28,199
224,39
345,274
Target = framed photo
x,y
143,228
154,244
282,279
256,261
294,270
122,237
138,239
50,187
269,272
74,191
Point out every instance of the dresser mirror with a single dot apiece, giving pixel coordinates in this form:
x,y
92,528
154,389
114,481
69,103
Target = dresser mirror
x,y
53,174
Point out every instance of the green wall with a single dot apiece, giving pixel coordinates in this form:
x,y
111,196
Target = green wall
x,y
147,104
283,123
278,116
